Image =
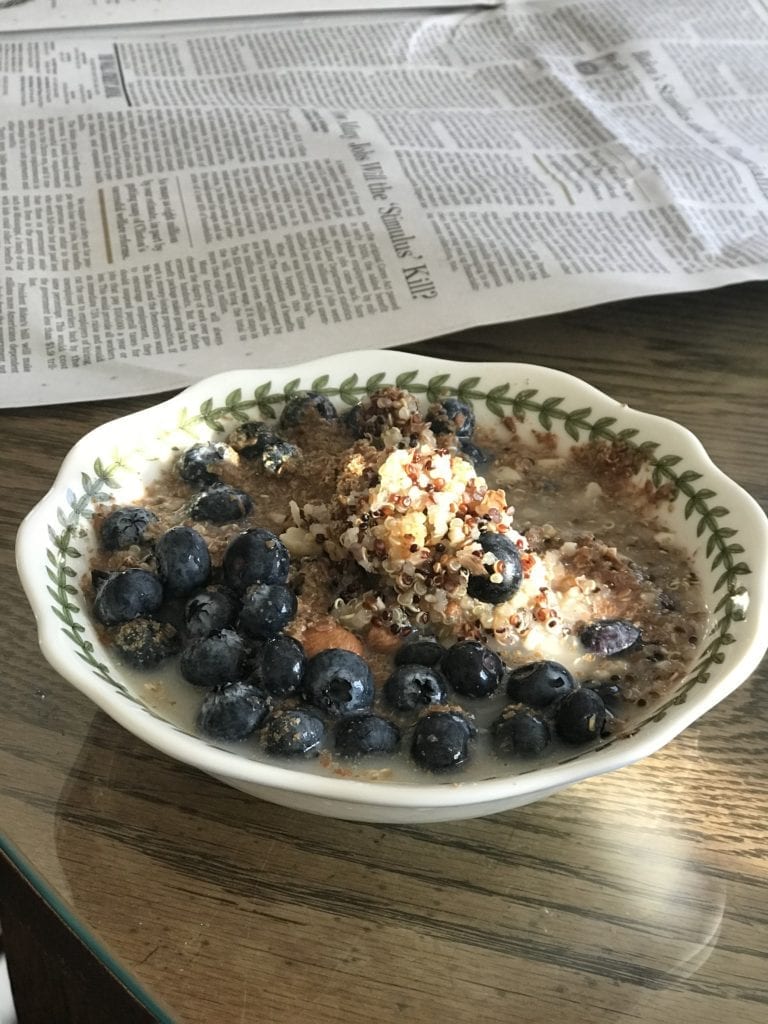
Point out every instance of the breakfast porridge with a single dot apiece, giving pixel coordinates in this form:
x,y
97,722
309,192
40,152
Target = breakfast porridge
x,y
394,591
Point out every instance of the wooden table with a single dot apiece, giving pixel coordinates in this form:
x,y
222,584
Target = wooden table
x,y
639,896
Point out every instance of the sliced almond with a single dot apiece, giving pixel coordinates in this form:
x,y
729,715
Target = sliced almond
x,y
327,633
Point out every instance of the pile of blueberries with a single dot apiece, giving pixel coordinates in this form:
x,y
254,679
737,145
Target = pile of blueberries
x,y
228,625
233,643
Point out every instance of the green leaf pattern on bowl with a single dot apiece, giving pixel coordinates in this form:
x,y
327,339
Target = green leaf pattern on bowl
x,y
665,468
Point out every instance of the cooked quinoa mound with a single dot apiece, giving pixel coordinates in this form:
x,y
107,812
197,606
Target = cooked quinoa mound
x,y
412,517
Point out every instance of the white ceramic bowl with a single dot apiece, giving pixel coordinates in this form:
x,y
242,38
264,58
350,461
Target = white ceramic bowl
x,y
713,517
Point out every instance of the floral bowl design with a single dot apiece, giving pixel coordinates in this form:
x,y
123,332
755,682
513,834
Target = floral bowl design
x,y
711,516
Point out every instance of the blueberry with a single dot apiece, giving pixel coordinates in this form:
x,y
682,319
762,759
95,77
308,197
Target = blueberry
x,y
519,733
183,562
413,686
354,419
256,440
209,611
144,643
193,464
441,740
610,636
279,455
472,669
499,576
267,609
611,695
580,716
477,456
452,416
384,409
338,682
248,438
539,683
421,650
279,666
231,711
256,556
172,612
220,503
294,732
125,526
304,403
121,596
214,659
366,734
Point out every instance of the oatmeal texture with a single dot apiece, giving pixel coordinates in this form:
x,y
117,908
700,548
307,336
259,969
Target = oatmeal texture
x,y
387,522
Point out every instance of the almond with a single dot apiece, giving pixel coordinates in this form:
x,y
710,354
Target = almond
x,y
382,639
327,633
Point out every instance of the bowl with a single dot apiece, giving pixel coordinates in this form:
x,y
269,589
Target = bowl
x,y
709,514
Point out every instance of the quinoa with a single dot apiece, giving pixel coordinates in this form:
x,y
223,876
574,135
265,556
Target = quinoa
x,y
384,534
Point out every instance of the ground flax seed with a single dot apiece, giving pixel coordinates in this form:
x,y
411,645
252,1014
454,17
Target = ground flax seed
x,y
382,512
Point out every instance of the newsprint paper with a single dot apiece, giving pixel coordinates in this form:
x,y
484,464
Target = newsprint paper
x,y
181,200
48,14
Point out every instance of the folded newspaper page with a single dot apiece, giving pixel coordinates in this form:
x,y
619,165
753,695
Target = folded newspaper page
x,y
184,201
18,15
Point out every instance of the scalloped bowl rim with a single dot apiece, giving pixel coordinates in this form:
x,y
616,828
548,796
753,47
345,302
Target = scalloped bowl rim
x,y
227,765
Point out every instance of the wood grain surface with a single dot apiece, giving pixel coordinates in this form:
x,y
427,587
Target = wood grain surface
x,y
640,896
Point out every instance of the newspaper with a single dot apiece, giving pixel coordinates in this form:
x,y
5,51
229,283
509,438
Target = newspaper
x,y
18,15
180,201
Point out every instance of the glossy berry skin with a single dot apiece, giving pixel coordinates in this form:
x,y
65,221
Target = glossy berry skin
x,y
472,669
220,503
125,526
210,611
279,455
539,683
580,716
422,650
295,732
266,610
126,595
360,735
304,404
214,659
144,643
231,711
610,636
520,733
453,417
338,682
415,686
441,741
256,556
193,465
183,561
610,694
506,564
279,666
